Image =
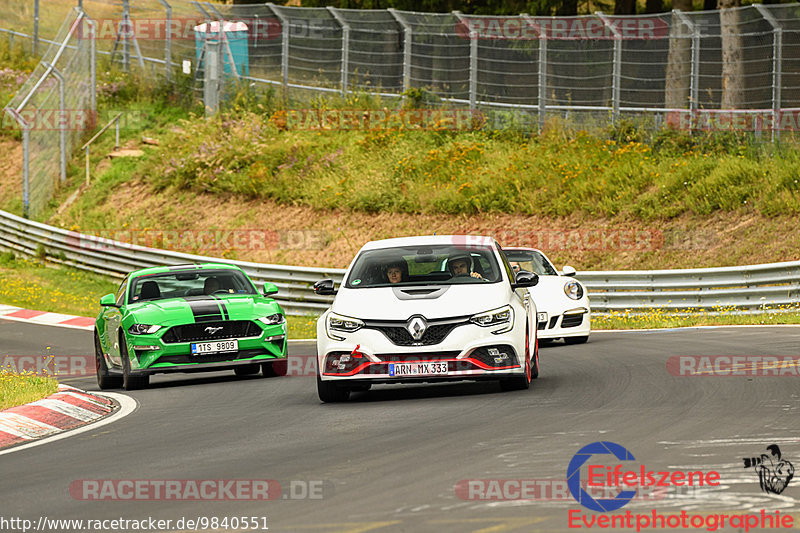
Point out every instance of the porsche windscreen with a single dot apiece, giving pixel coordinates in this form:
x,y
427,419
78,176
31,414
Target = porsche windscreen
x,y
531,261
191,283
424,265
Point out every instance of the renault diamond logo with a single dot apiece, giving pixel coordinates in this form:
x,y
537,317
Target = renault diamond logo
x,y
211,329
417,327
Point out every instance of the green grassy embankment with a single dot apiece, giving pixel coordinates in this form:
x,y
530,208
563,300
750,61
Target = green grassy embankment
x,y
707,200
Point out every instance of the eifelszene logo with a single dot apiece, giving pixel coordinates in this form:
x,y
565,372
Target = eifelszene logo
x,y
629,480
774,472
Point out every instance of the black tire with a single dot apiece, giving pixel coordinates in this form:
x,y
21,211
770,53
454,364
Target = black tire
x,y
130,381
535,364
275,369
331,393
104,379
546,342
522,382
246,370
576,340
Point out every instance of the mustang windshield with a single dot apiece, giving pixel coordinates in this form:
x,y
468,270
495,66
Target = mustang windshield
x,y
189,283
531,261
424,265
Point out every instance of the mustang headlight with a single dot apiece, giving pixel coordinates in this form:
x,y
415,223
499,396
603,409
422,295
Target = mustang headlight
x,y
143,329
574,290
343,324
273,320
502,316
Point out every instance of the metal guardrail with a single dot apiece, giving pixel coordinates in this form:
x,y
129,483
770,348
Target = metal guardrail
x,y
748,287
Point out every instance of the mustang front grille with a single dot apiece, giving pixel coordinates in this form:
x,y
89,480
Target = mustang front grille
x,y
209,331
210,358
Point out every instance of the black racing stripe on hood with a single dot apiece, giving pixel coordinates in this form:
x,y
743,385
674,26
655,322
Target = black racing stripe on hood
x,y
224,310
204,309
225,314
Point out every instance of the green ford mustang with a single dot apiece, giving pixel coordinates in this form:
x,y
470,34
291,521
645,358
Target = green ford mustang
x,y
188,318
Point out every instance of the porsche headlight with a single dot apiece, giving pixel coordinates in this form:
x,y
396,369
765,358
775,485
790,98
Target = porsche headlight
x,y
272,320
502,316
573,290
143,329
343,324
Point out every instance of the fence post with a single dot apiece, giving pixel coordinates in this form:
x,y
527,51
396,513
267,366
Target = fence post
x,y
473,60
223,40
168,41
36,27
127,29
542,97
26,155
777,68
285,31
616,76
92,64
694,80
26,170
345,47
406,49
62,104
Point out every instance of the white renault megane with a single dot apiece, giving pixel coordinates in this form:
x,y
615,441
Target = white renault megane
x,y
427,309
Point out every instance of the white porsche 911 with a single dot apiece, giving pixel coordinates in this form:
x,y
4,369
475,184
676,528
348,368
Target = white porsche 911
x,y
562,303
427,309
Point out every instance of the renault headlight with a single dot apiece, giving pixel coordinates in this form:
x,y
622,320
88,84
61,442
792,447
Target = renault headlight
x,y
344,324
502,316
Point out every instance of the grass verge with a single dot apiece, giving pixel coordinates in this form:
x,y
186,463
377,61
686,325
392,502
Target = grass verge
x,y
658,319
21,388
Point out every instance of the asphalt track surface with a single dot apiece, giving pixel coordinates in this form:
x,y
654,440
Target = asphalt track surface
x,y
389,459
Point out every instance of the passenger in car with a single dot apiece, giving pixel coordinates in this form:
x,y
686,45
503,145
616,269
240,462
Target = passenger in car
x,y
397,272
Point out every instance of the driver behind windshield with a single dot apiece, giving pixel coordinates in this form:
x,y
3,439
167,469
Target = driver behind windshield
x,y
461,265
211,285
